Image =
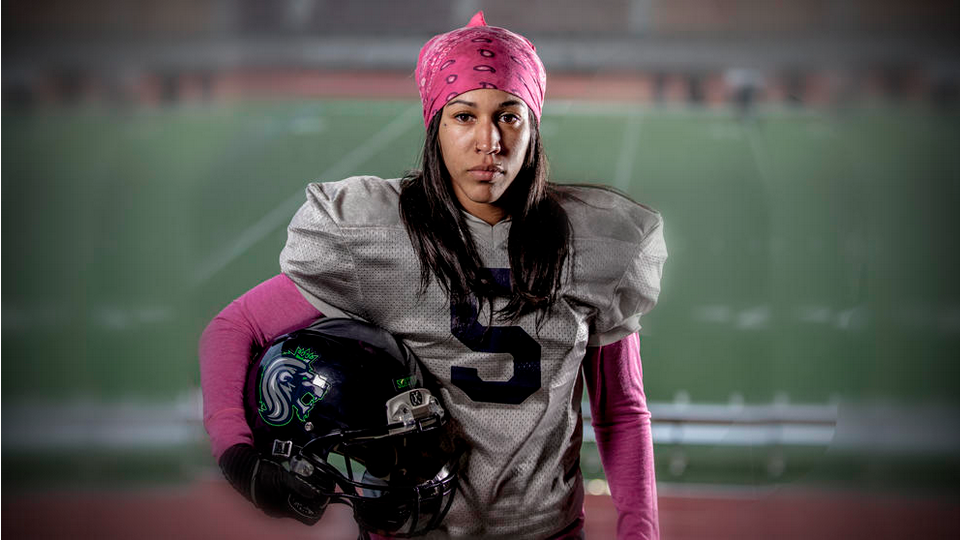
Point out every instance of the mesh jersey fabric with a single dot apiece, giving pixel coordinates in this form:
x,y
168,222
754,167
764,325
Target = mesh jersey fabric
x,y
348,251
612,375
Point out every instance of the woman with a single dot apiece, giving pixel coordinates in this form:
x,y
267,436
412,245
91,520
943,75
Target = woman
x,y
505,286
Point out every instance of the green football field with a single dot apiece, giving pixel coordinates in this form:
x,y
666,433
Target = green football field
x,y
812,253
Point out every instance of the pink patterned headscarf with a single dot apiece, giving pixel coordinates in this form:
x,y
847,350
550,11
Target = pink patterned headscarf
x,y
479,56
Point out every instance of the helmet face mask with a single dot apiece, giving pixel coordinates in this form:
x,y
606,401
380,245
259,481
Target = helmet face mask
x,y
342,404
402,502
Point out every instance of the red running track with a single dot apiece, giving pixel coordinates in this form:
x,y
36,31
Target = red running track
x,y
210,510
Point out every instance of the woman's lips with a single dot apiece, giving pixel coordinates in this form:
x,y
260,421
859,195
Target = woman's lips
x,y
484,174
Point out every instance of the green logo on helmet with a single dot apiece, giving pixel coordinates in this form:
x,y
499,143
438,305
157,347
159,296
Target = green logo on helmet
x,y
404,383
305,354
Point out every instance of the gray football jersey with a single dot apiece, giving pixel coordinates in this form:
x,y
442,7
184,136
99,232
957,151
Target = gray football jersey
x,y
513,389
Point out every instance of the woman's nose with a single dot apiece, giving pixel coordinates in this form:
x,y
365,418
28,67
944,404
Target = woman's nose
x,y
488,138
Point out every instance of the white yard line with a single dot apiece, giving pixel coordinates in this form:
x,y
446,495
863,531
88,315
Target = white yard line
x,y
628,151
281,215
764,168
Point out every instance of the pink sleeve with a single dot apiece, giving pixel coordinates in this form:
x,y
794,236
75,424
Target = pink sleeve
x,y
243,328
621,422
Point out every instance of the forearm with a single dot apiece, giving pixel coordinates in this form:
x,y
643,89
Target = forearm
x,y
249,323
621,422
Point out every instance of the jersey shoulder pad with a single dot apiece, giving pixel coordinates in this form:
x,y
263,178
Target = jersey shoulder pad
x,y
620,253
597,212
358,201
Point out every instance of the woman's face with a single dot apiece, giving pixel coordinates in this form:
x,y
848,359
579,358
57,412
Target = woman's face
x,y
484,136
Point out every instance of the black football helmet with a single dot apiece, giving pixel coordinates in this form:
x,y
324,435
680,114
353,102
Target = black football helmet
x,y
343,405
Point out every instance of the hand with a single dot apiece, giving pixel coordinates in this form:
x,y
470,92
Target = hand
x,y
273,489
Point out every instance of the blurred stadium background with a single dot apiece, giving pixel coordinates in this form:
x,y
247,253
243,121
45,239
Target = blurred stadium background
x,y
802,367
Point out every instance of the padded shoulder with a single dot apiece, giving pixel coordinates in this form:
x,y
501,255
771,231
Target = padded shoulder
x,y
599,213
358,201
619,255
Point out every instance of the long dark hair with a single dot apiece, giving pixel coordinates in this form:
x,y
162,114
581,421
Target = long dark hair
x,y
538,245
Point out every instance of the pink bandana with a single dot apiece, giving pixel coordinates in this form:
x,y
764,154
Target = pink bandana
x,y
479,56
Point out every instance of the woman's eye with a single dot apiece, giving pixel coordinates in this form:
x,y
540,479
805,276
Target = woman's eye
x,y
509,118
462,117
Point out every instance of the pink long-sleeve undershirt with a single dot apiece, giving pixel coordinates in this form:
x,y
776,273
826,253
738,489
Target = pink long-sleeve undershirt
x,y
613,377
621,423
249,323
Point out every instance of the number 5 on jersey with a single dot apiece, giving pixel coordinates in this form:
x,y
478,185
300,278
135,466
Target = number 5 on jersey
x,y
513,340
